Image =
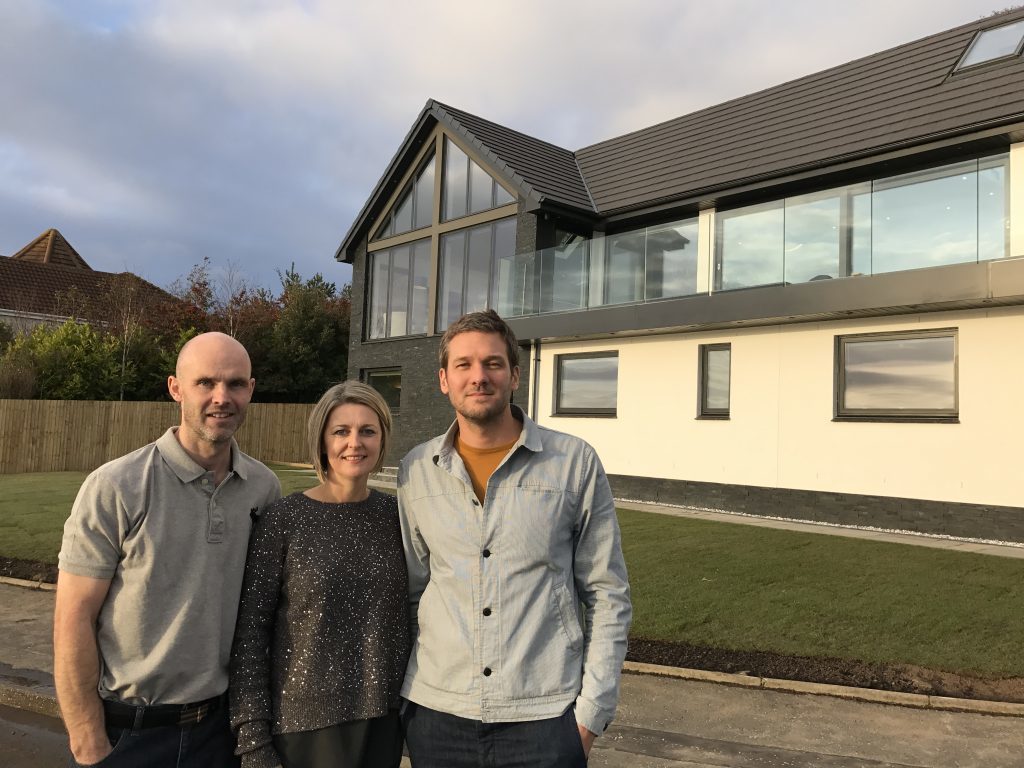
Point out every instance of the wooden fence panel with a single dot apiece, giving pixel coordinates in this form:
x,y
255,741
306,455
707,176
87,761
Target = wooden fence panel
x,y
75,435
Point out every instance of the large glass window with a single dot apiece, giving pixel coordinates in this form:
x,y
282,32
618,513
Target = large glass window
x,y
586,384
948,215
897,375
468,188
414,208
397,303
472,261
388,382
714,380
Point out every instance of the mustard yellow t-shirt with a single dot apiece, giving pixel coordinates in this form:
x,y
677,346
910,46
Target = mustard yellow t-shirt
x,y
481,463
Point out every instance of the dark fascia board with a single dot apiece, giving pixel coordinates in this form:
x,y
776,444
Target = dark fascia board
x,y
836,171
995,283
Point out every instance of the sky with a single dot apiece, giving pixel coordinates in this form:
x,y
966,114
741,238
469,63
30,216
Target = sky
x,y
154,133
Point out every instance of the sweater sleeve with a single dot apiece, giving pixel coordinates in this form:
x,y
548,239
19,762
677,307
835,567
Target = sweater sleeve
x,y
249,686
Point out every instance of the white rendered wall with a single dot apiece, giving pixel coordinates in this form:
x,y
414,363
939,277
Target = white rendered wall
x,y
781,432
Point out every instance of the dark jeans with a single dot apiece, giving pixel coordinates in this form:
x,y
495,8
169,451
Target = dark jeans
x,y
439,740
210,744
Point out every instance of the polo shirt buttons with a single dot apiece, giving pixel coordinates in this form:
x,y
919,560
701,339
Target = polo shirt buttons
x,y
487,611
487,671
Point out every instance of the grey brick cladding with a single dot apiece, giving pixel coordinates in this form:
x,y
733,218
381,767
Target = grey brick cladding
x,y
975,521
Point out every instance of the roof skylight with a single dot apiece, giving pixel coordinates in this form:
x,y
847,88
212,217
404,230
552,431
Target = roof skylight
x,y
994,43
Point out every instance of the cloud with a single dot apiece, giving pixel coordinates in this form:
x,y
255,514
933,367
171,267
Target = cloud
x,y
157,132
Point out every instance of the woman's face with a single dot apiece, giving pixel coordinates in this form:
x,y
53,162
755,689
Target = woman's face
x,y
351,441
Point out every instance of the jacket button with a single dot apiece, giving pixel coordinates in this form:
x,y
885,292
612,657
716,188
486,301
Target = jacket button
x,y
487,611
487,553
487,671
476,503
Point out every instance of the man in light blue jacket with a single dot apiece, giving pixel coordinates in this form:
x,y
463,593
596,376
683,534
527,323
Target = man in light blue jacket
x,y
518,589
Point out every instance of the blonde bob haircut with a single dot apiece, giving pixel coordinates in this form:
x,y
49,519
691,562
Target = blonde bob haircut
x,y
346,392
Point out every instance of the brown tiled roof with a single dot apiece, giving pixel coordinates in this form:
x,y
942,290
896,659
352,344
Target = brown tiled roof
x,y
51,248
52,289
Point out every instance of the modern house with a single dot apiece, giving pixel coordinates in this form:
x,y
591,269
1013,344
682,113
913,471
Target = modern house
x,y
47,281
807,302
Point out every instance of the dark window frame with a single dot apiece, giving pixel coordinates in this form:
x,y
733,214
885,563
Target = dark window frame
x,y
387,222
366,374
704,411
902,415
371,260
556,407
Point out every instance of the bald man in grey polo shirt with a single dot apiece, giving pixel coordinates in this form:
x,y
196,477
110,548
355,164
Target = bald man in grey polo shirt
x,y
151,569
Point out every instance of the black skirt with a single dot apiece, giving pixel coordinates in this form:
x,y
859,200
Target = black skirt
x,y
374,743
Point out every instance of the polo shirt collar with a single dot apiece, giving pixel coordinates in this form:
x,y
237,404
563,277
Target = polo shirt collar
x,y
183,465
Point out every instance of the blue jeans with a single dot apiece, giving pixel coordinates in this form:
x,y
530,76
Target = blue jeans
x,y
439,740
210,744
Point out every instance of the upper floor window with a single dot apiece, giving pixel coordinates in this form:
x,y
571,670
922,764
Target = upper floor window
x,y
994,43
468,188
908,376
397,296
472,260
415,206
948,215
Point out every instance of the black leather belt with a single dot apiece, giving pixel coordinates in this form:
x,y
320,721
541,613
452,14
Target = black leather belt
x,y
119,715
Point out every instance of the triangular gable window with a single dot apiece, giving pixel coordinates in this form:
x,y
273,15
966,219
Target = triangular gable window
x,y
468,188
414,209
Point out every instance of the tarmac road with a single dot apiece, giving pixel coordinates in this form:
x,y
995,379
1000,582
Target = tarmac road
x,y
28,740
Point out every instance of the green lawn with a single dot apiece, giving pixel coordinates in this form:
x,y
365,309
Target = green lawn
x,y
733,586
752,588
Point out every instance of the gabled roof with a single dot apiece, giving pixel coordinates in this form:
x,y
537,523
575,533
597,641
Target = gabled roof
x,y
541,173
48,275
44,289
51,248
902,98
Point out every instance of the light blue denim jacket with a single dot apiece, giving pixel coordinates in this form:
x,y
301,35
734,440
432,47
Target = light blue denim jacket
x,y
496,589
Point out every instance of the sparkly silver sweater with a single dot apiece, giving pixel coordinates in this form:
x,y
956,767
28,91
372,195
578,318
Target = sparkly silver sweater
x,y
323,626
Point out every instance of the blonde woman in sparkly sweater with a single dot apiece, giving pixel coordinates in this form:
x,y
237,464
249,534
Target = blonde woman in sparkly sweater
x,y
322,637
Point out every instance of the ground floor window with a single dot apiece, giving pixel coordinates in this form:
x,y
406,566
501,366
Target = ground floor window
x,y
388,382
715,368
586,384
908,376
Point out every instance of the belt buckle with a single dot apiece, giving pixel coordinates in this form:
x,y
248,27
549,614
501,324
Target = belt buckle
x,y
193,716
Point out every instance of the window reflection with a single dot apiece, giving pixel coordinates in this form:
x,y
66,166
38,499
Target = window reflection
x,y
715,369
949,215
587,384
472,261
886,375
398,290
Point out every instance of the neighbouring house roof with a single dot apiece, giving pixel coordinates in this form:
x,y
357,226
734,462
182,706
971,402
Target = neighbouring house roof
x,y
901,98
51,248
49,277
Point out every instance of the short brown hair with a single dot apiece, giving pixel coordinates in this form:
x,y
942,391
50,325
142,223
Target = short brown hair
x,y
350,391
487,321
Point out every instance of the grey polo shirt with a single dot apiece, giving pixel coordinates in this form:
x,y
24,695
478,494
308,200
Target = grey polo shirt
x,y
173,545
